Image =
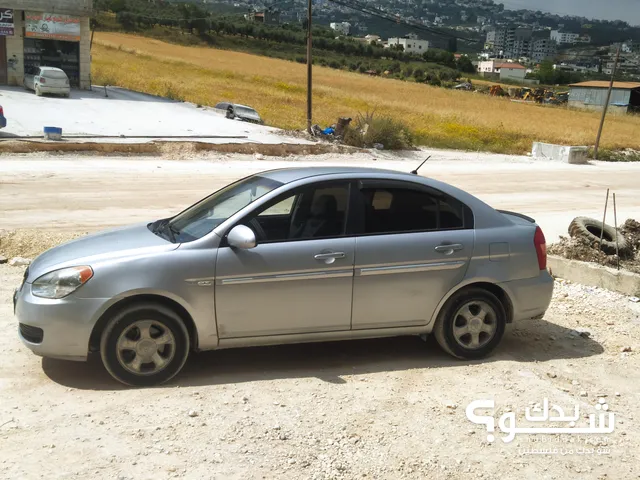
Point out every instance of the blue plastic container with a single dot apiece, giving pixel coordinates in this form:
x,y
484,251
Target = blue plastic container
x,y
52,133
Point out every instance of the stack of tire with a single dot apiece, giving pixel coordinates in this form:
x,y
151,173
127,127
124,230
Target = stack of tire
x,y
591,229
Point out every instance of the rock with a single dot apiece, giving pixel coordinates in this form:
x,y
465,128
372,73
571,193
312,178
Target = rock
x,y
617,394
19,262
551,375
583,393
452,406
610,322
625,349
193,413
3,259
551,337
580,332
575,382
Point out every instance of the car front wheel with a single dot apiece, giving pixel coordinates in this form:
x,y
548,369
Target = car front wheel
x,y
144,345
471,324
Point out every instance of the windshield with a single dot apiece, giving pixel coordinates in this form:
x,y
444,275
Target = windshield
x,y
200,219
246,111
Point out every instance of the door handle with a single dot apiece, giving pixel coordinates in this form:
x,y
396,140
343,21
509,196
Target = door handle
x,y
449,249
329,256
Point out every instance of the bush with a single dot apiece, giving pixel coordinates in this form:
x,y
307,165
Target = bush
x,y
370,129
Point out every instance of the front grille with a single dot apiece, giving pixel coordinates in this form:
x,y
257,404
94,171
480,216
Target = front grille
x,y
31,334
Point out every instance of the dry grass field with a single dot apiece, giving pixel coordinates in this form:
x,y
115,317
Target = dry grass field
x,y
276,88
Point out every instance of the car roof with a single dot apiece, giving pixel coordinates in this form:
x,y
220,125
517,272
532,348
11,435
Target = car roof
x,y
52,68
287,175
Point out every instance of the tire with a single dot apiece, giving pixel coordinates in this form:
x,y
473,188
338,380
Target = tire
x,y
590,229
133,336
451,321
38,92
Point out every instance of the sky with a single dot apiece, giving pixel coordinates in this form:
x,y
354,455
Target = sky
x,y
627,10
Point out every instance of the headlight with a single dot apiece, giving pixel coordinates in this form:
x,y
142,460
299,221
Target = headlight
x,y
60,283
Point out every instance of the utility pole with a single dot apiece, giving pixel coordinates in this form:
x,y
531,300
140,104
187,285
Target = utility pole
x,y
309,66
606,105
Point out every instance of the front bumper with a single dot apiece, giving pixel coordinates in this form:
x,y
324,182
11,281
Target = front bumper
x,y
530,297
66,323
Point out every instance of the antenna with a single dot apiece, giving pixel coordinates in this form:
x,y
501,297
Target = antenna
x,y
415,172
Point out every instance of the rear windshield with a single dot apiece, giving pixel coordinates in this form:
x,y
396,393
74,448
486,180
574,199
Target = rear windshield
x,y
54,74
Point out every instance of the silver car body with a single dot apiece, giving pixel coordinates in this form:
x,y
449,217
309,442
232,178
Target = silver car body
x,y
298,291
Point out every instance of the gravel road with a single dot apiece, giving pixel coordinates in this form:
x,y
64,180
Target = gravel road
x,y
84,193
387,409
382,409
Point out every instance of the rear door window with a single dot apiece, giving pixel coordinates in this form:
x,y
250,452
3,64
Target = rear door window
x,y
398,209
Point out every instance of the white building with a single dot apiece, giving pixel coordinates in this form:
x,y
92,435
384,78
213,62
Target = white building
x,y
409,45
502,70
564,37
341,27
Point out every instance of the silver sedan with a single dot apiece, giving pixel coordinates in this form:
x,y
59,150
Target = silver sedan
x,y
287,256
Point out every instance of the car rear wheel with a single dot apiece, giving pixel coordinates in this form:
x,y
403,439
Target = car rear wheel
x,y
471,324
144,345
38,91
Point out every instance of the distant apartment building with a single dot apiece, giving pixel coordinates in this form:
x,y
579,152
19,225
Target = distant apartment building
x,y
343,28
409,45
543,48
562,37
511,42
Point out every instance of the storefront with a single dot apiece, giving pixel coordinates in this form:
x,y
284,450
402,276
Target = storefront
x,y
52,40
52,33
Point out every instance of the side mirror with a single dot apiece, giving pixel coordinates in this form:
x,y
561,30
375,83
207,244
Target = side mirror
x,y
242,237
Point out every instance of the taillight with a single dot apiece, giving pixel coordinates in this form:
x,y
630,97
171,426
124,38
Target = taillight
x,y
2,111
541,248
43,80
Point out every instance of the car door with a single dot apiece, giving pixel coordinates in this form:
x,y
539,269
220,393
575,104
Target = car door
x,y
299,277
414,245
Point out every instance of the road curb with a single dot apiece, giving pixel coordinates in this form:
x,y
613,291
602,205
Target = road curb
x,y
594,275
157,147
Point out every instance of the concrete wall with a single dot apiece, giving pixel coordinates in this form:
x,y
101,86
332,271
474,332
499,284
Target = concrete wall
x,y
68,7
15,51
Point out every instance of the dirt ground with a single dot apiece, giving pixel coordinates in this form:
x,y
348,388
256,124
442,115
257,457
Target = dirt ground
x,y
85,193
383,409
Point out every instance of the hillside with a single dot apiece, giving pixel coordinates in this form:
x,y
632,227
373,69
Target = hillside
x,y
276,88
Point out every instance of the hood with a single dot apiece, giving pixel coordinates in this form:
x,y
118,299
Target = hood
x,y
110,244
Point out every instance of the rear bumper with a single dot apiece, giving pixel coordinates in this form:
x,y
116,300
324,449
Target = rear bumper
x,y
3,122
54,90
530,297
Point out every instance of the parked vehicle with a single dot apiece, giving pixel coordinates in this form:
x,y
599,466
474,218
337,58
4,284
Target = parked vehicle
x,y
48,80
3,120
289,256
239,112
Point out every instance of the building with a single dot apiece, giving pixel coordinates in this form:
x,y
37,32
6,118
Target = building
x,y
409,45
625,96
53,33
543,48
502,70
562,37
343,28
268,17
510,42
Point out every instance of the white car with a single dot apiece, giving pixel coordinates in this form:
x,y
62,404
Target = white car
x,y
48,80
